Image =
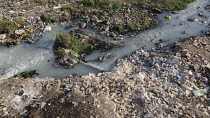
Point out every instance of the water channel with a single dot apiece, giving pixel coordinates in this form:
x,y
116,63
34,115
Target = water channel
x,y
25,57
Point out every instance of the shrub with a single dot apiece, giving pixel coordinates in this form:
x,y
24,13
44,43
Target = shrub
x,y
7,26
21,22
165,4
70,41
45,18
102,4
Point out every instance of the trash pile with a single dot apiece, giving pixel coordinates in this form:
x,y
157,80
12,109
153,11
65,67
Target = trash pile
x,y
25,34
160,83
22,23
151,84
16,94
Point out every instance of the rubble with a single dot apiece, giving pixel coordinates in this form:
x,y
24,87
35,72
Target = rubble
x,y
143,84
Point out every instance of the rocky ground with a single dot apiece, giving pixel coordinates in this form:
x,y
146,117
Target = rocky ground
x,y
108,22
39,19
160,83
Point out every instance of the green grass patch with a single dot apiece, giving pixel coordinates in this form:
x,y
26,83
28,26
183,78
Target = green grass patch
x,y
165,4
20,22
70,42
26,74
101,4
7,26
53,2
45,18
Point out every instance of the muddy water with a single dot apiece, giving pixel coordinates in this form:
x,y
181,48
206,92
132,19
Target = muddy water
x,y
26,57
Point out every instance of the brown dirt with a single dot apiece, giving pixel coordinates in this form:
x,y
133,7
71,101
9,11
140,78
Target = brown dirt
x,y
198,48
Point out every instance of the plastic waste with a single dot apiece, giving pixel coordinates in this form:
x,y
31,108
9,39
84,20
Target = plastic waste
x,y
19,32
57,7
153,102
168,17
3,36
208,66
119,100
47,28
156,91
205,90
148,115
198,93
203,79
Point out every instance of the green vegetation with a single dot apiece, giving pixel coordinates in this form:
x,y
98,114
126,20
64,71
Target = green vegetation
x,y
26,74
46,2
20,22
7,26
101,4
143,22
67,8
45,18
70,42
165,4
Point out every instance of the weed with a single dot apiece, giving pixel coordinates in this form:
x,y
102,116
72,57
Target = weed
x,y
70,41
102,4
165,4
7,26
45,18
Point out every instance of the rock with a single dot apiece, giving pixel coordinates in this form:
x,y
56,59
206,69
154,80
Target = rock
x,y
207,7
83,25
66,60
113,34
191,19
175,12
1,71
141,76
156,10
106,28
201,15
108,22
104,57
207,33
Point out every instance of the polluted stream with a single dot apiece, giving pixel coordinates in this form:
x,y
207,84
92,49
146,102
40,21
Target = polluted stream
x,y
40,56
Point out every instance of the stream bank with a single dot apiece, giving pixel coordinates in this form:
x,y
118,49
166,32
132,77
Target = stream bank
x,y
149,82
172,82
36,56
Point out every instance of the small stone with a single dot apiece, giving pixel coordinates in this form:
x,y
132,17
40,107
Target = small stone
x,y
175,12
75,104
42,104
83,25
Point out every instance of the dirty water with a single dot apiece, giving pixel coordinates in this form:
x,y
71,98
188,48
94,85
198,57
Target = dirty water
x,y
25,57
